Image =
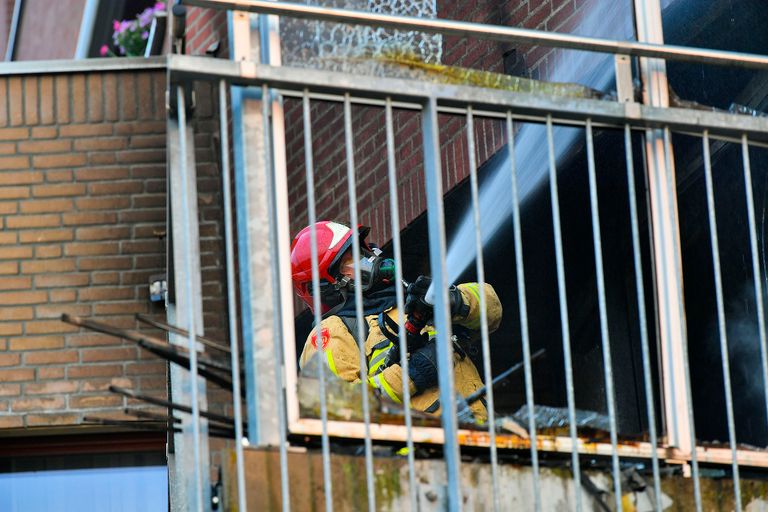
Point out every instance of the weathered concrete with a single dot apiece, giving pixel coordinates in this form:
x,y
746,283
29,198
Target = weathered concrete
x,y
391,480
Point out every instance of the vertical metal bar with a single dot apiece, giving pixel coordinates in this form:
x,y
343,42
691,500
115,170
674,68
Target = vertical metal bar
x,y
680,359
234,342
523,306
436,222
756,274
724,355
564,323
191,326
642,317
361,330
280,312
316,302
398,253
601,301
10,48
486,348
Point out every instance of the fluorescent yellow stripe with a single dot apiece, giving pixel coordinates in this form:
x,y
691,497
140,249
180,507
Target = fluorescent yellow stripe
x,y
381,383
378,358
475,289
331,364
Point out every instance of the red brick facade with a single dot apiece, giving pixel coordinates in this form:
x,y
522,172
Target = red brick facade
x,y
82,207
368,123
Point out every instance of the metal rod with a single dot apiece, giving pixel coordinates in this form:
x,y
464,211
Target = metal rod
x,y
642,318
316,302
401,333
219,418
192,347
564,323
601,301
437,251
279,310
485,343
756,274
178,330
141,413
506,34
10,47
523,307
234,335
724,355
361,330
683,365
176,353
409,90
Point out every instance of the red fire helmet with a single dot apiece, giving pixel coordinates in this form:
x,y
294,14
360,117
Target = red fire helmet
x,y
333,240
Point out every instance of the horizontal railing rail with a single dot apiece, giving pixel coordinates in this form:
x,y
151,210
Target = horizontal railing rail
x,y
410,93
492,32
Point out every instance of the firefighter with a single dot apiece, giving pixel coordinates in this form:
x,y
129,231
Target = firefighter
x,y
339,323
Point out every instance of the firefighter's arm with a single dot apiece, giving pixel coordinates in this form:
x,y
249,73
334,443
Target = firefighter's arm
x,y
341,352
390,382
470,293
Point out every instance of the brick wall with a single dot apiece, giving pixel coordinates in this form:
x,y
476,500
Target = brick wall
x,y
82,212
368,123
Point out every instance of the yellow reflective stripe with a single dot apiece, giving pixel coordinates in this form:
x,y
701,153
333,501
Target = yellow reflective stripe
x,y
331,363
431,334
475,289
378,357
378,382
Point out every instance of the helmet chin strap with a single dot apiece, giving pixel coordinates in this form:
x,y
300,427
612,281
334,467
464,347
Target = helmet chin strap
x,y
343,285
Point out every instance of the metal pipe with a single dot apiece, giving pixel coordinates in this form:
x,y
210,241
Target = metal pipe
x,y
485,343
523,308
234,335
192,346
437,251
316,302
181,332
642,319
603,309
361,325
171,405
174,353
10,48
490,32
564,323
724,355
756,274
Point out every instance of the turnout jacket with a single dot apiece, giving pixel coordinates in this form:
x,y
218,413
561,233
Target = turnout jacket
x,y
343,357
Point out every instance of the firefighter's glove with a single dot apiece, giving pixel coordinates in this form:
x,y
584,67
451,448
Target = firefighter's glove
x,y
415,301
422,367
415,304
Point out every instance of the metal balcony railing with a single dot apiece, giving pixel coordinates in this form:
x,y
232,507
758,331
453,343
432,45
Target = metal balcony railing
x,y
259,91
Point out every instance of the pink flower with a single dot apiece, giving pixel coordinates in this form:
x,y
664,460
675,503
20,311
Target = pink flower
x,y
159,6
104,50
115,25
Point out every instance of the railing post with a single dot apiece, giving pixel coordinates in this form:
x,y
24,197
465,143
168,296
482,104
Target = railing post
x,y
263,234
668,278
189,463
